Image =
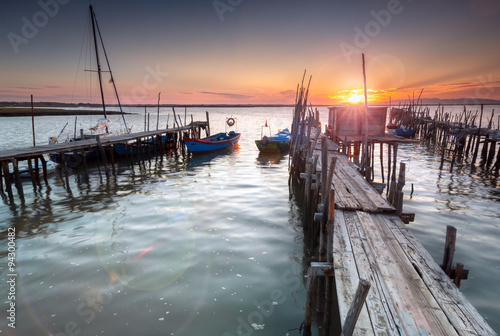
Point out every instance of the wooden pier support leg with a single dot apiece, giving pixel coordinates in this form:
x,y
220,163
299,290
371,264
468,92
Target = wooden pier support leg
x,y
102,152
112,156
327,317
1,180
399,189
85,166
497,163
32,173
138,149
306,325
449,249
382,161
8,180
17,180
65,167
36,172
491,154
356,306
44,167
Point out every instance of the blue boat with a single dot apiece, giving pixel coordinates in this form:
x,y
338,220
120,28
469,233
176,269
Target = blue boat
x,y
212,143
147,146
278,142
401,131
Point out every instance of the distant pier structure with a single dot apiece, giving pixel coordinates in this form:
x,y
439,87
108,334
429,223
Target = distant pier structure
x,y
138,146
463,138
370,276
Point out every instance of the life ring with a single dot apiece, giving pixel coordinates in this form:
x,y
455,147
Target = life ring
x,y
230,122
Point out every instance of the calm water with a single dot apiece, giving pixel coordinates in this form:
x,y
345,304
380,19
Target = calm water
x,y
209,245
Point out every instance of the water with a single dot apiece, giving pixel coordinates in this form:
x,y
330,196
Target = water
x,y
210,245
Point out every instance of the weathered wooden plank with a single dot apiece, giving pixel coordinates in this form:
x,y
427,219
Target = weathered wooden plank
x,y
346,276
406,288
379,303
459,311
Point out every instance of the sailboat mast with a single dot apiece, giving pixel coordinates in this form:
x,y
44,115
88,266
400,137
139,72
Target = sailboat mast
x,y
92,17
111,74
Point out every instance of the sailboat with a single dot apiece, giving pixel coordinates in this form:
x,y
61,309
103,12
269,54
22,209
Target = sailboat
x,y
101,128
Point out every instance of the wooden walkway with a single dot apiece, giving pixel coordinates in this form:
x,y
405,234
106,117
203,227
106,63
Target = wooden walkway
x,y
410,294
23,153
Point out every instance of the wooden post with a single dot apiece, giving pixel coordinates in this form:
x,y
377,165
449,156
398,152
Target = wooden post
x,y
36,171
309,302
491,154
32,174
449,249
324,169
459,270
101,150
478,137
208,124
44,167
158,113
33,121
112,156
1,180
399,189
382,161
8,181
17,180
356,306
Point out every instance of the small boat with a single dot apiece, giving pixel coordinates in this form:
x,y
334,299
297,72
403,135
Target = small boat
x,y
144,147
278,142
213,142
400,131
101,128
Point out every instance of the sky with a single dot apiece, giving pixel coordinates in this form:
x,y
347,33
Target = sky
x,y
250,51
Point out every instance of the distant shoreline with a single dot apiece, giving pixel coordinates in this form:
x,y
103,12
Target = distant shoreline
x,y
26,112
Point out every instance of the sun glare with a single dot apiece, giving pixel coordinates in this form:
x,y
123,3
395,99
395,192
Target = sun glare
x,y
355,98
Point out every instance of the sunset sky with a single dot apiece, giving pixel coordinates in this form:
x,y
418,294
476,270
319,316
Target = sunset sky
x,y
251,51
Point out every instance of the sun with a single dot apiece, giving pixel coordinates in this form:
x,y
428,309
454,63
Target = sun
x,y
355,98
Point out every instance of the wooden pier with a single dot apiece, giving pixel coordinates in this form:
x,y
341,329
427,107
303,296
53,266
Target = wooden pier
x,y
102,144
372,276
461,139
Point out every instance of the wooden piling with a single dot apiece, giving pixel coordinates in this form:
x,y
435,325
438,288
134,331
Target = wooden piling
x,y
32,174
355,308
306,325
478,137
459,271
449,249
8,181
17,180
44,168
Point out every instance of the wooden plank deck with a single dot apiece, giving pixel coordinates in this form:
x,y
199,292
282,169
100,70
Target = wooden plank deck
x,y
22,153
409,294
352,192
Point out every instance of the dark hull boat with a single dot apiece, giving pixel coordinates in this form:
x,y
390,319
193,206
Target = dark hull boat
x,y
212,143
